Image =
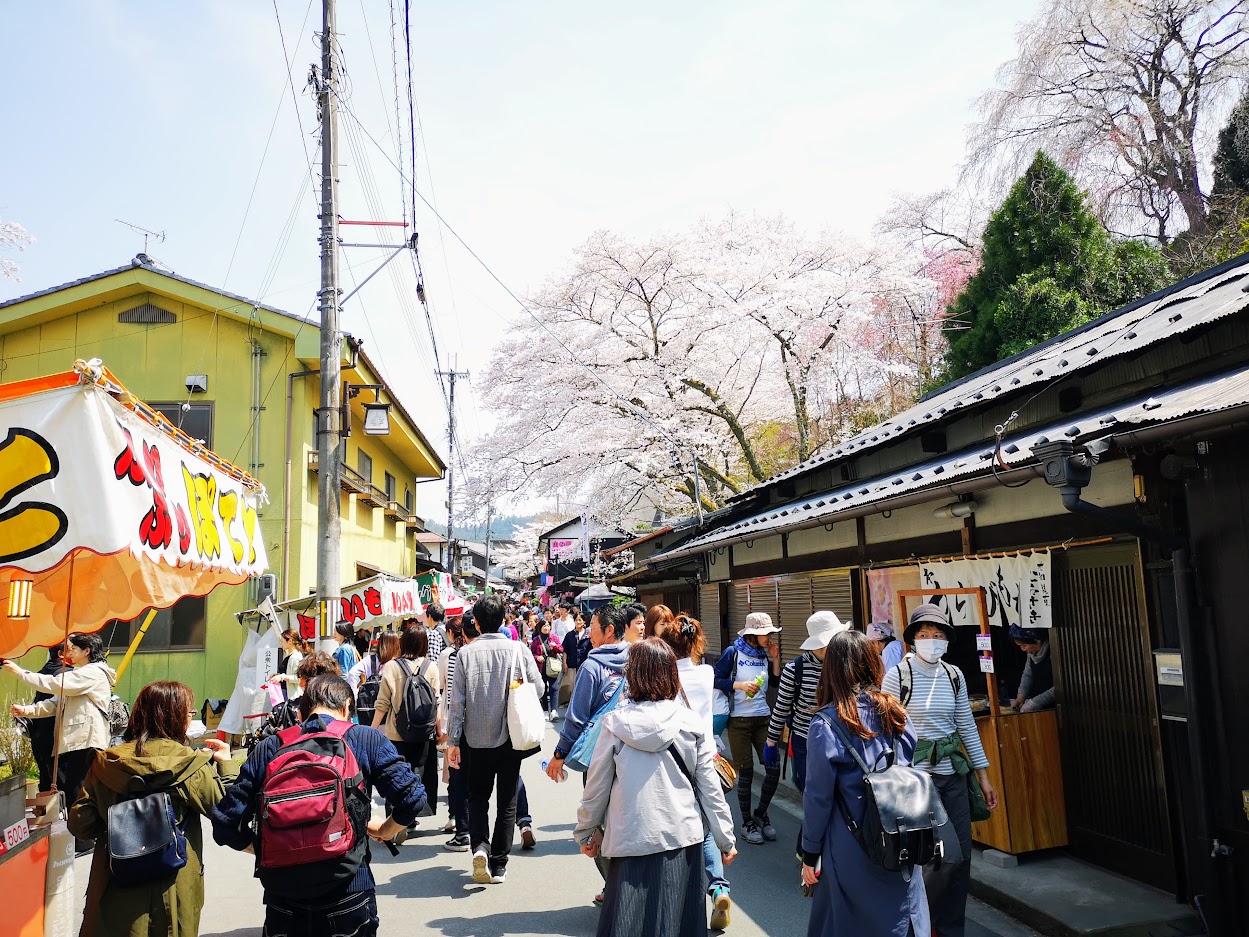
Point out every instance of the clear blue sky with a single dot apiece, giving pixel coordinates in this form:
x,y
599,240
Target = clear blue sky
x,y
540,123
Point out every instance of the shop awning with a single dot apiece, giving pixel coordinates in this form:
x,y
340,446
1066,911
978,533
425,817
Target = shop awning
x,y
974,468
106,509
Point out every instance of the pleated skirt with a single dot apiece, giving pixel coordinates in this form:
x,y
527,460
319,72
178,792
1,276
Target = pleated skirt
x,y
660,895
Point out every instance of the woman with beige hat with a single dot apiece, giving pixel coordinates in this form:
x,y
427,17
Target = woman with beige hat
x,y
742,674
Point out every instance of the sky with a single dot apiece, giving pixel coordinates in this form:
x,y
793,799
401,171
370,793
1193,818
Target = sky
x,y
538,124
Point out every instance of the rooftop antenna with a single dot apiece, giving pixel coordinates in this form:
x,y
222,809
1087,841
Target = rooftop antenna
x,y
159,236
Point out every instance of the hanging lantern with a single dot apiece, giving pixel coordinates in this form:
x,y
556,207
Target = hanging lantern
x,y
20,592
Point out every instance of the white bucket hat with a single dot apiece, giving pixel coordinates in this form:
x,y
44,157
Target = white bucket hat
x,y
821,627
758,624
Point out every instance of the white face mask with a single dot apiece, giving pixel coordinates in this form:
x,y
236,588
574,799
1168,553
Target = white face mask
x,y
931,649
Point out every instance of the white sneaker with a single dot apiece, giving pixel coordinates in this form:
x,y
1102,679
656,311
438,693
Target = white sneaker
x,y
481,867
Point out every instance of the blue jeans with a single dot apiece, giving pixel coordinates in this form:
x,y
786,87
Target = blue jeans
x,y
354,914
713,864
799,761
522,805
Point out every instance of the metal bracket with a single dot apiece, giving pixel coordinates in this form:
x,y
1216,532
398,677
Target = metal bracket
x,y
395,251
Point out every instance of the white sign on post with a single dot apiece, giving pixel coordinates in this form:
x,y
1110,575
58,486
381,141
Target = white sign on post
x,y
984,642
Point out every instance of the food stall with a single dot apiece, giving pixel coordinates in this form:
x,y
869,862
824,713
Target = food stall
x,y
1023,748
108,510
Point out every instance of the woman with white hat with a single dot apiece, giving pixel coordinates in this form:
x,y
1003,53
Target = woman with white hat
x,y
742,674
795,698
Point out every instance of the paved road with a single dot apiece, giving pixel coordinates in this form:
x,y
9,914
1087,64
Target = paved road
x,y
428,891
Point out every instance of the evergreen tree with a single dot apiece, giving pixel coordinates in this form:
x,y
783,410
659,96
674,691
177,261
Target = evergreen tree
x,y
1231,157
1047,265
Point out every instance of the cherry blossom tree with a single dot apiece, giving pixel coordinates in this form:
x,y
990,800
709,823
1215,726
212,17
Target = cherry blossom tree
x,y
678,370
1125,96
12,237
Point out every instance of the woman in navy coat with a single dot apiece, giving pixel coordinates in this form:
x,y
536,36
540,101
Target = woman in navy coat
x,y
853,896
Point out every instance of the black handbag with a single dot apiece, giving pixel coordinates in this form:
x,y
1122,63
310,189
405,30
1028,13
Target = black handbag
x,y
904,815
145,840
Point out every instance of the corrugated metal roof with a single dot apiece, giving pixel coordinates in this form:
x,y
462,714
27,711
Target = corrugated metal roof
x,y
1181,308
1208,395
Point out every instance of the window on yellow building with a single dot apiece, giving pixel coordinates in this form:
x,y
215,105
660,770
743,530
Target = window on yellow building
x,y
364,465
407,500
181,627
196,420
390,487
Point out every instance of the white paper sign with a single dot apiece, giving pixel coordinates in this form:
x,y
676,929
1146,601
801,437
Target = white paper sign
x,y
1017,589
986,665
984,642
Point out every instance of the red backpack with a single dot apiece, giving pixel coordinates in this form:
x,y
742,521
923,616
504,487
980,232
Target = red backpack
x,y
312,813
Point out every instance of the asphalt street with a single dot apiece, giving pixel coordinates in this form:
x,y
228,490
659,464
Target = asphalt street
x,y
549,891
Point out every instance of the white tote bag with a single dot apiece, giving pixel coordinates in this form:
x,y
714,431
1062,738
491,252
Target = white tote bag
x,y
526,722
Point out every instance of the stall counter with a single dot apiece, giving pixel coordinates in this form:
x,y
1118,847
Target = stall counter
x,y
23,873
1026,771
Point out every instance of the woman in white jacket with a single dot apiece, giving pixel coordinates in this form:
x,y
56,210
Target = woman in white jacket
x,y
651,783
82,729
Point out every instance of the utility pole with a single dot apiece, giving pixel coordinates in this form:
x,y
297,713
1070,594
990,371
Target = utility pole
x,y
329,430
452,375
489,521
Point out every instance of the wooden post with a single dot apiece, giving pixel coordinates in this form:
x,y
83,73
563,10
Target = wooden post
x,y
134,645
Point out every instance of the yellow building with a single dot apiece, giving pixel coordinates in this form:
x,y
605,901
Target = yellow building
x,y
241,376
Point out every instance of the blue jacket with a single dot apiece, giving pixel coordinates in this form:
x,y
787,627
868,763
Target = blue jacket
x,y
379,762
853,895
596,679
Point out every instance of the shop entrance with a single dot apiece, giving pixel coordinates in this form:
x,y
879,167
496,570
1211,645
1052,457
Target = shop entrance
x,y
1108,720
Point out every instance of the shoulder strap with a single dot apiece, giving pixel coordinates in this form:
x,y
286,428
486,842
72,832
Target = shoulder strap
x,y
403,665
290,735
955,682
845,740
339,729
798,674
905,680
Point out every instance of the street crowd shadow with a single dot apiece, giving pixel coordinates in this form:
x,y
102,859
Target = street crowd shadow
x,y
237,932
568,922
558,828
451,881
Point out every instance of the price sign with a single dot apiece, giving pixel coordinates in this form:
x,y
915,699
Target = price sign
x,y
15,835
984,642
986,665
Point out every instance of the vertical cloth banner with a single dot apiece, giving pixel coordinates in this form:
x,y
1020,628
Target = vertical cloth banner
x,y
1017,589
883,586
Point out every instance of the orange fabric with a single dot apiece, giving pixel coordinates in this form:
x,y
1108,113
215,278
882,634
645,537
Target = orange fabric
x,y
105,588
23,876
36,384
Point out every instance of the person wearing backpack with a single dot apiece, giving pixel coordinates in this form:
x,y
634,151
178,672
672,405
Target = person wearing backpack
x,y
82,711
742,674
935,696
154,758
366,677
795,698
407,707
300,802
851,893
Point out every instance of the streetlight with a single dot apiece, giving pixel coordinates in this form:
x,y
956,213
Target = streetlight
x,y
376,414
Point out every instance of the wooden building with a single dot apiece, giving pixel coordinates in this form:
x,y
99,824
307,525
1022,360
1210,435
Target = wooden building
x,y
1094,483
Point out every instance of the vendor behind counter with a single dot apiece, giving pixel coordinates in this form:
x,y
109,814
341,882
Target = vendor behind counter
x,y
1036,685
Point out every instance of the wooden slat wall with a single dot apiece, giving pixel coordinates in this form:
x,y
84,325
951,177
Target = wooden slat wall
x,y
709,615
795,609
737,608
833,591
1117,814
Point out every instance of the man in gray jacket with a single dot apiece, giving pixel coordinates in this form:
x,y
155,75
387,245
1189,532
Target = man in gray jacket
x,y
477,734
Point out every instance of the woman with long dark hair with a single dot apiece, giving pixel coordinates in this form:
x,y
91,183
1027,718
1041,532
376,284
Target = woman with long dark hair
x,y
155,750
852,894
413,659
548,655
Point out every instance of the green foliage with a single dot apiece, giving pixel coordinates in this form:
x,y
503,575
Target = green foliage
x,y
15,754
1231,157
1047,265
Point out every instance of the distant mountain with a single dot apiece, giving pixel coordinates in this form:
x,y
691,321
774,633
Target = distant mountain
x,y
501,528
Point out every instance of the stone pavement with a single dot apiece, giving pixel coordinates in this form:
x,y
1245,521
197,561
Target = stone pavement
x,y
428,891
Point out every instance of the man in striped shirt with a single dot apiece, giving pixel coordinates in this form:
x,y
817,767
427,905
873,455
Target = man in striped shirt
x,y
795,698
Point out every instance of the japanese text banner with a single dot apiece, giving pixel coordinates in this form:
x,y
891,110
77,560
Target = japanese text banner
x,y
107,516
1017,589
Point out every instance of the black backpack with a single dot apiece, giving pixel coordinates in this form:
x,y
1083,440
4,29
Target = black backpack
x,y
145,840
367,692
903,815
416,718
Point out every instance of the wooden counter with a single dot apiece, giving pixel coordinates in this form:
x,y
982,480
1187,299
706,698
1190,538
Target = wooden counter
x,y
1026,770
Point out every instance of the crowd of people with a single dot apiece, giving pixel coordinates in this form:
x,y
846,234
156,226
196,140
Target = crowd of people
x,y
659,735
